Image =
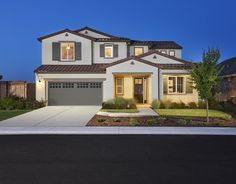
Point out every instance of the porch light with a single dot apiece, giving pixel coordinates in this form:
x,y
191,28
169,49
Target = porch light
x,y
68,47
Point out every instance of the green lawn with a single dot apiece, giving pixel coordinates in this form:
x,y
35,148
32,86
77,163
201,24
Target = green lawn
x,y
192,113
6,114
120,110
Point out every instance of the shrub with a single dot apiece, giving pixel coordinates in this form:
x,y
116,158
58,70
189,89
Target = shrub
x,y
101,120
220,123
151,122
192,105
202,123
161,120
8,104
182,105
165,104
133,122
201,105
181,122
156,104
116,120
119,103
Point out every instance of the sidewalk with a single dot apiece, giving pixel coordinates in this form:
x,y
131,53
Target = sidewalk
x,y
116,131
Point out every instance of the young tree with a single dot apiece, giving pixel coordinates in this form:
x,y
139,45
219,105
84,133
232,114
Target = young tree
x,y
0,77
205,74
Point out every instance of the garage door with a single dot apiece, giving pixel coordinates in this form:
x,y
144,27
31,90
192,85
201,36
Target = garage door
x,y
74,93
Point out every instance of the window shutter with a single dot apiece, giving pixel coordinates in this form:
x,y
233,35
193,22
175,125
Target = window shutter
x,y
189,85
78,51
56,51
165,84
115,50
102,50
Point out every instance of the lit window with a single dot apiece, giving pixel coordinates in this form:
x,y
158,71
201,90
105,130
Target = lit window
x,y
176,85
163,51
119,86
67,51
172,53
108,51
138,51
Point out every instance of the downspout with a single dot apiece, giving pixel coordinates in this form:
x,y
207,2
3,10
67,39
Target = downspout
x,y
159,95
92,50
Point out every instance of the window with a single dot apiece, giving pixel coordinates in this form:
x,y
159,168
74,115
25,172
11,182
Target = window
x,y
176,85
119,86
138,51
172,53
95,85
68,85
67,51
55,85
82,85
108,51
163,51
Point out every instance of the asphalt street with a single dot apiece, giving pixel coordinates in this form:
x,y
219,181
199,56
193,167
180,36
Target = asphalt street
x,y
126,159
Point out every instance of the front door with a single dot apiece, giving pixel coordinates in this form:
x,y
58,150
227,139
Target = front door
x,y
138,90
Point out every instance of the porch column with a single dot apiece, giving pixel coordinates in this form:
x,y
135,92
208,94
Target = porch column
x,y
154,79
108,87
160,85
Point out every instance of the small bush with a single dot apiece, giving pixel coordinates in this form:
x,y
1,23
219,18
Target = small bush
x,y
201,105
181,122
192,105
220,123
8,104
151,122
161,120
119,103
116,120
165,104
101,120
156,104
202,123
133,122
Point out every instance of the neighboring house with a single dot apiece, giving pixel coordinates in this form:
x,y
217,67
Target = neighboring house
x,y
87,67
17,88
227,85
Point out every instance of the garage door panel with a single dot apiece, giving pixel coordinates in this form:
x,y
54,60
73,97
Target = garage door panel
x,y
75,93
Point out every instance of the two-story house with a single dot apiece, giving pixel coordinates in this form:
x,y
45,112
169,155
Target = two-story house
x,y
87,67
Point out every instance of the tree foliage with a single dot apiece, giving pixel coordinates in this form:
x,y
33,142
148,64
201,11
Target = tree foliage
x,y
205,74
0,77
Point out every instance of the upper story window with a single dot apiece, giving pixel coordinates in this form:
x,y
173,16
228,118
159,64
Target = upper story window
x,y
138,51
163,51
67,51
108,51
172,53
176,85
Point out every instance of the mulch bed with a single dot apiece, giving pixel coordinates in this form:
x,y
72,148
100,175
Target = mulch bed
x,y
99,120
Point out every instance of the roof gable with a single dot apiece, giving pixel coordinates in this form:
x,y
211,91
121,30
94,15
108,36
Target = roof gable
x,y
228,67
65,31
99,34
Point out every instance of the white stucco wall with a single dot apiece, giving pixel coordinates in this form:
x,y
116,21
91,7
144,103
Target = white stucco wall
x,y
127,68
122,52
85,45
160,59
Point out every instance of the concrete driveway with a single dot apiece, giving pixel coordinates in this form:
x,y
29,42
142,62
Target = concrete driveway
x,y
54,116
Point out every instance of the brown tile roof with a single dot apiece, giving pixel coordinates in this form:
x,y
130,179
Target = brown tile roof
x,y
95,68
134,58
157,44
228,67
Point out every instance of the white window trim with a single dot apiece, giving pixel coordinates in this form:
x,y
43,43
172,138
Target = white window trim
x,y
122,85
61,59
172,51
112,50
138,48
184,85
163,51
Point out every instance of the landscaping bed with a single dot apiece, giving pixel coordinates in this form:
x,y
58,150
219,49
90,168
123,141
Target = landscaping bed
x,y
159,121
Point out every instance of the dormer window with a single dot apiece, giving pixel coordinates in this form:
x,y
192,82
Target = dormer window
x,y
172,53
138,51
108,51
67,51
163,51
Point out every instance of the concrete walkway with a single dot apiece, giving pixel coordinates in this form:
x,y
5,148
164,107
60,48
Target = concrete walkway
x,y
143,111
53,116
116,131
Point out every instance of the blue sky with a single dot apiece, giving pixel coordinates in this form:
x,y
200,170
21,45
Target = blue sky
x,y
196,25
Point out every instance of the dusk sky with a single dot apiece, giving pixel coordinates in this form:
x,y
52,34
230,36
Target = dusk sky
x,y
196,25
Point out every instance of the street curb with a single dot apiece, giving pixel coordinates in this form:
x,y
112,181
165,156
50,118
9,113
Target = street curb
x,y
117,131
